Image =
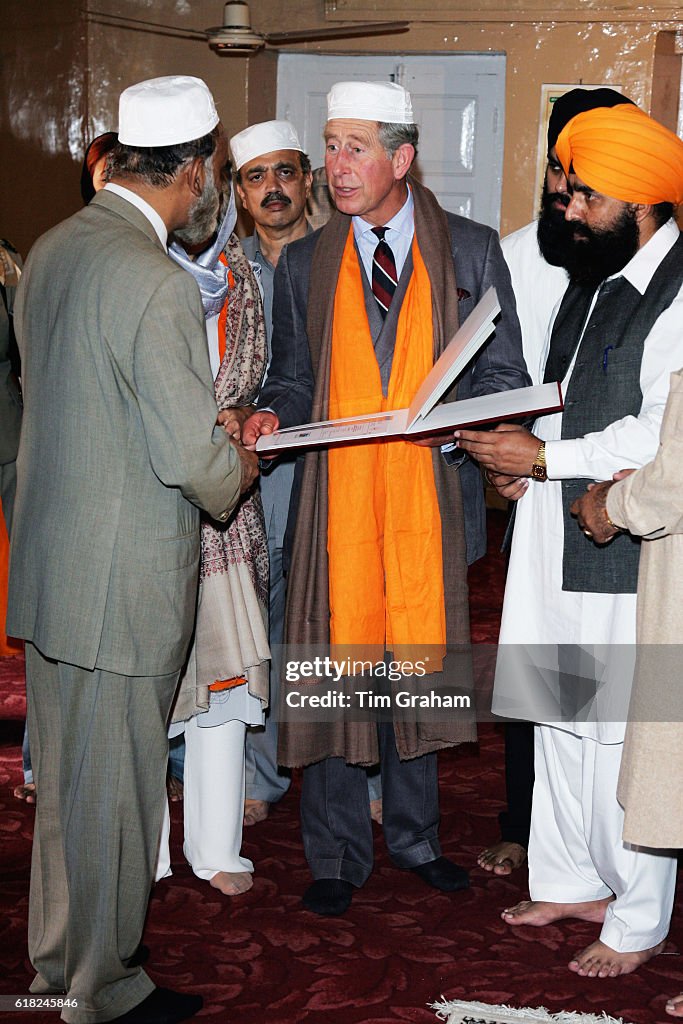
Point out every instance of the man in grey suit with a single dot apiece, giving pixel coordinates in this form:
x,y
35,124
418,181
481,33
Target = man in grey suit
x,y
273,180
389,259
119,451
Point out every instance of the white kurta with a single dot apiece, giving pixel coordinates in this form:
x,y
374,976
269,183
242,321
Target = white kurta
x,y
576,852
214,761
536,611
538,288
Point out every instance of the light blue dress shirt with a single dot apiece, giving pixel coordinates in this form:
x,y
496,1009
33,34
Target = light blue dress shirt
x,y
399,237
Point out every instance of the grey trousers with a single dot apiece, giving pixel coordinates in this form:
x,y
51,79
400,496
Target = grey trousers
x,y
99,747
335,813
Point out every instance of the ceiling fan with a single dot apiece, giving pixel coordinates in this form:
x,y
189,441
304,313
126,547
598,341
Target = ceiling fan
x,y
236,36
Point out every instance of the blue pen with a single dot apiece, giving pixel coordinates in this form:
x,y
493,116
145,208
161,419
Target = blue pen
x,y
605,357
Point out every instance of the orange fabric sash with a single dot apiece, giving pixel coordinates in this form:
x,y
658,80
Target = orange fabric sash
x,y
223,315
225,684
384,524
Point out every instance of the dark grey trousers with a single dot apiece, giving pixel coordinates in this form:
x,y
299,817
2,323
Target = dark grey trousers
x,y
335,813
99,747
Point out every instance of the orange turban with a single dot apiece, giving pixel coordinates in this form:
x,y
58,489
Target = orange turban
x,y
624,153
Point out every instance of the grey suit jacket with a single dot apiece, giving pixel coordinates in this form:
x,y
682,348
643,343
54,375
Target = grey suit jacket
x,y
118,449
479,263
10,399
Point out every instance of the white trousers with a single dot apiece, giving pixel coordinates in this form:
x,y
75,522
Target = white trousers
x,y
576,852
213,801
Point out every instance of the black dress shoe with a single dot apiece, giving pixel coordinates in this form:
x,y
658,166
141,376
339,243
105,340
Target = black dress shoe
x,y
443,874
139,957
328,896
162,1006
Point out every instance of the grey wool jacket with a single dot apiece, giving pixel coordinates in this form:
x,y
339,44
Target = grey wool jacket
x,y
119,449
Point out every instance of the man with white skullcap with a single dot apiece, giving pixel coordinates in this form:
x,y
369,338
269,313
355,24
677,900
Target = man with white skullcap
x,y
568,632
120,450
273,178
383,532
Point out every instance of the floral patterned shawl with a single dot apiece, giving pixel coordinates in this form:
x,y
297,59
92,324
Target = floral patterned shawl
x,y
231,636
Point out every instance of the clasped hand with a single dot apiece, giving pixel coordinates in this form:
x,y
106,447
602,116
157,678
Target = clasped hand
x,y
232,422
591,509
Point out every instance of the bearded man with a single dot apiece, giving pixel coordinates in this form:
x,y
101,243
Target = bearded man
x,y
541,257
569,615
119,451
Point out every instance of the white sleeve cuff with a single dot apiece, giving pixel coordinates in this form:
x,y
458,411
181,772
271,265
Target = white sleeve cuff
x,y
562,459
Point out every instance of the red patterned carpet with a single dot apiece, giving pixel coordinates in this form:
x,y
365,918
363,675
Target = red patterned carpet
x,y
261,959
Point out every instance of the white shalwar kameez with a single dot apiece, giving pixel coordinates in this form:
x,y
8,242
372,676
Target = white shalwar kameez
x,y
538,286
214,756
576,852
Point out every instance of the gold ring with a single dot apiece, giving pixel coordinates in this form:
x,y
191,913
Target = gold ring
x,y
587,533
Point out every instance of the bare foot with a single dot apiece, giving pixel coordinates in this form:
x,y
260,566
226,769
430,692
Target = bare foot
x,y
174,788
255,811
599,961
27,792
538,913
376,810
232,883
502,858
674,1006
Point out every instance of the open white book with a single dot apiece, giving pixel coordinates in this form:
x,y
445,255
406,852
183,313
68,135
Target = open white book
x,y
424,416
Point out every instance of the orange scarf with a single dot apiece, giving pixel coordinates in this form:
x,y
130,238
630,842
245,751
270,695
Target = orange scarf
x,y
384,525
225,684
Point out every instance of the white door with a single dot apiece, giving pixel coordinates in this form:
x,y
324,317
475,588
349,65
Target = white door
x,y
458,101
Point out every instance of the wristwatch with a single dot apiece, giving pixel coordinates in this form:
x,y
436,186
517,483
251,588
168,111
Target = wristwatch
x,y
539,470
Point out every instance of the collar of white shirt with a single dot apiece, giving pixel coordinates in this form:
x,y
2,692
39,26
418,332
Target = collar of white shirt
x,y
148,211
640,270
399,236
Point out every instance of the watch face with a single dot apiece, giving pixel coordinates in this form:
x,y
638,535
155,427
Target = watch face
x,y
539,472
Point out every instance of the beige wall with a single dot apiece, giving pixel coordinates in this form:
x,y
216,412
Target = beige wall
x,y
60,79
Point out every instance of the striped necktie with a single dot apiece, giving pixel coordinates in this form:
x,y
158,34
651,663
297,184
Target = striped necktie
x,y
384,276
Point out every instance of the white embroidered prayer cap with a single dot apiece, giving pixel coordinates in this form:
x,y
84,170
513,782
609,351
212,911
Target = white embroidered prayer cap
x,y
266,137
370,101
166,111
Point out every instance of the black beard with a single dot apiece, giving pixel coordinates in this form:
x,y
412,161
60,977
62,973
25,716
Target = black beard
x,y
555,235
597,253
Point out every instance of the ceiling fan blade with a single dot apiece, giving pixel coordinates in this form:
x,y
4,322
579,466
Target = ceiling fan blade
x,y
337,32
138,24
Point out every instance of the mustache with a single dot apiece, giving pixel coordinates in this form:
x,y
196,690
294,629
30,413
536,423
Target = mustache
x,y
275,197
559,197
582,231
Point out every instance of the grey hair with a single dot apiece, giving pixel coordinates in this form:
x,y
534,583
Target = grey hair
x,y
391,136
159,165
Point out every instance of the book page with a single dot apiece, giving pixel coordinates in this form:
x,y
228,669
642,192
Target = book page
x,y
496,408
355,428
459,351
503,405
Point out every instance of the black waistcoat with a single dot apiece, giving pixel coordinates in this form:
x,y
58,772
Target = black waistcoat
x,y
605,387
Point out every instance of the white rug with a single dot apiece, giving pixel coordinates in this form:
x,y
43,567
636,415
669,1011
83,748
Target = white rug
x,y
457,1012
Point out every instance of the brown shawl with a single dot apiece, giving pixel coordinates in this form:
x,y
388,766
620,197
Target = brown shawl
x,y
307,621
